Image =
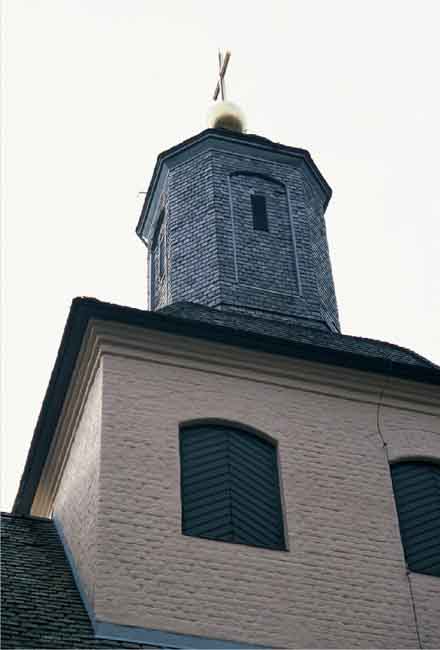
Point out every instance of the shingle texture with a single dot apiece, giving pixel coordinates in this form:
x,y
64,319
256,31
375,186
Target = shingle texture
x,y
291,331
214,254
41,606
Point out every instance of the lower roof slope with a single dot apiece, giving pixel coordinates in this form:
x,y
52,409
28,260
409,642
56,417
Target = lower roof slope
x,y
41,606
297,333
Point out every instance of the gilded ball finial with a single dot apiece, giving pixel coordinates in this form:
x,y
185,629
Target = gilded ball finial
x,y
226,115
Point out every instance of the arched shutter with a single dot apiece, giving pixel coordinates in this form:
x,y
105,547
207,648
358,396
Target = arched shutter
x,y
230,487
417,491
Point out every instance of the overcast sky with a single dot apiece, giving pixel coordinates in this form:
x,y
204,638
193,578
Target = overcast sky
x,y
93,90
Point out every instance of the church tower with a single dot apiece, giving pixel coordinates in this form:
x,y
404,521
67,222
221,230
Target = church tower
x,y
236,222
225,469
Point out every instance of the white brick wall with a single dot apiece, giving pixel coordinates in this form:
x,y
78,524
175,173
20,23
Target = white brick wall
x,y
77,504
426,590
343,582
409,434
417,435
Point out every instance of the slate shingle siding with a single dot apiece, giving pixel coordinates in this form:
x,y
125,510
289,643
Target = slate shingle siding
x,y
41,606
192,258
216,258
321,257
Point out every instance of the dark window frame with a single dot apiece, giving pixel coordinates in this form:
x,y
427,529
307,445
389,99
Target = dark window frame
x,y
159,246
161,256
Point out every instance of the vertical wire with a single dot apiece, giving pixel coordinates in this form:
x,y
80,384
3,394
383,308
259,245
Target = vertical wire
x,y
387,458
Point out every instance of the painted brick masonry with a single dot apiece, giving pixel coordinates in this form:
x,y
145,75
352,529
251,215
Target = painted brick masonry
x,y
76,509
342,583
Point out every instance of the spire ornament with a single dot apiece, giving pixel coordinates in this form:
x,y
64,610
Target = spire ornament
x,y
222,67
224,114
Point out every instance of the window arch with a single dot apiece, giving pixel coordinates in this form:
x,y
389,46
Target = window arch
x,y
229,486
416,486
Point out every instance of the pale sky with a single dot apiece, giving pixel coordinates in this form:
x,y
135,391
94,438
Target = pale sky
x,y
94,90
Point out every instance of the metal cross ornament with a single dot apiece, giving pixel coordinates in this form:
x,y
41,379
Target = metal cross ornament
x,y
222,66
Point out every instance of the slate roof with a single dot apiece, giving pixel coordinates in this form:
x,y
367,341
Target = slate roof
x,y
299,333
41,606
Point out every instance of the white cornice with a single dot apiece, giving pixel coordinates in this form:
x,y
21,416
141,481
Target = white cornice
x,y
82,378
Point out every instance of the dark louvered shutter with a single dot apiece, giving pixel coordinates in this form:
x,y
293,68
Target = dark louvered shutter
x,y
417,491
230,487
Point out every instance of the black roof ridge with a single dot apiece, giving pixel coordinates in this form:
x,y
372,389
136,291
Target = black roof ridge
x,y
20,515
279,317
302,326
396,346
254,137
83,301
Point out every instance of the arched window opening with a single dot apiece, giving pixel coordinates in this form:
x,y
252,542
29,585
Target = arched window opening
x,y
230,487
416,486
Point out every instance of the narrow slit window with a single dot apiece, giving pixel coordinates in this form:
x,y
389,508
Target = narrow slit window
x,y
259,212
161,257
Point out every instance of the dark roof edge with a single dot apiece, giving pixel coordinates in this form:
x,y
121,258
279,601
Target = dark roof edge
x,y
18,515
67,352
232,135
84,309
